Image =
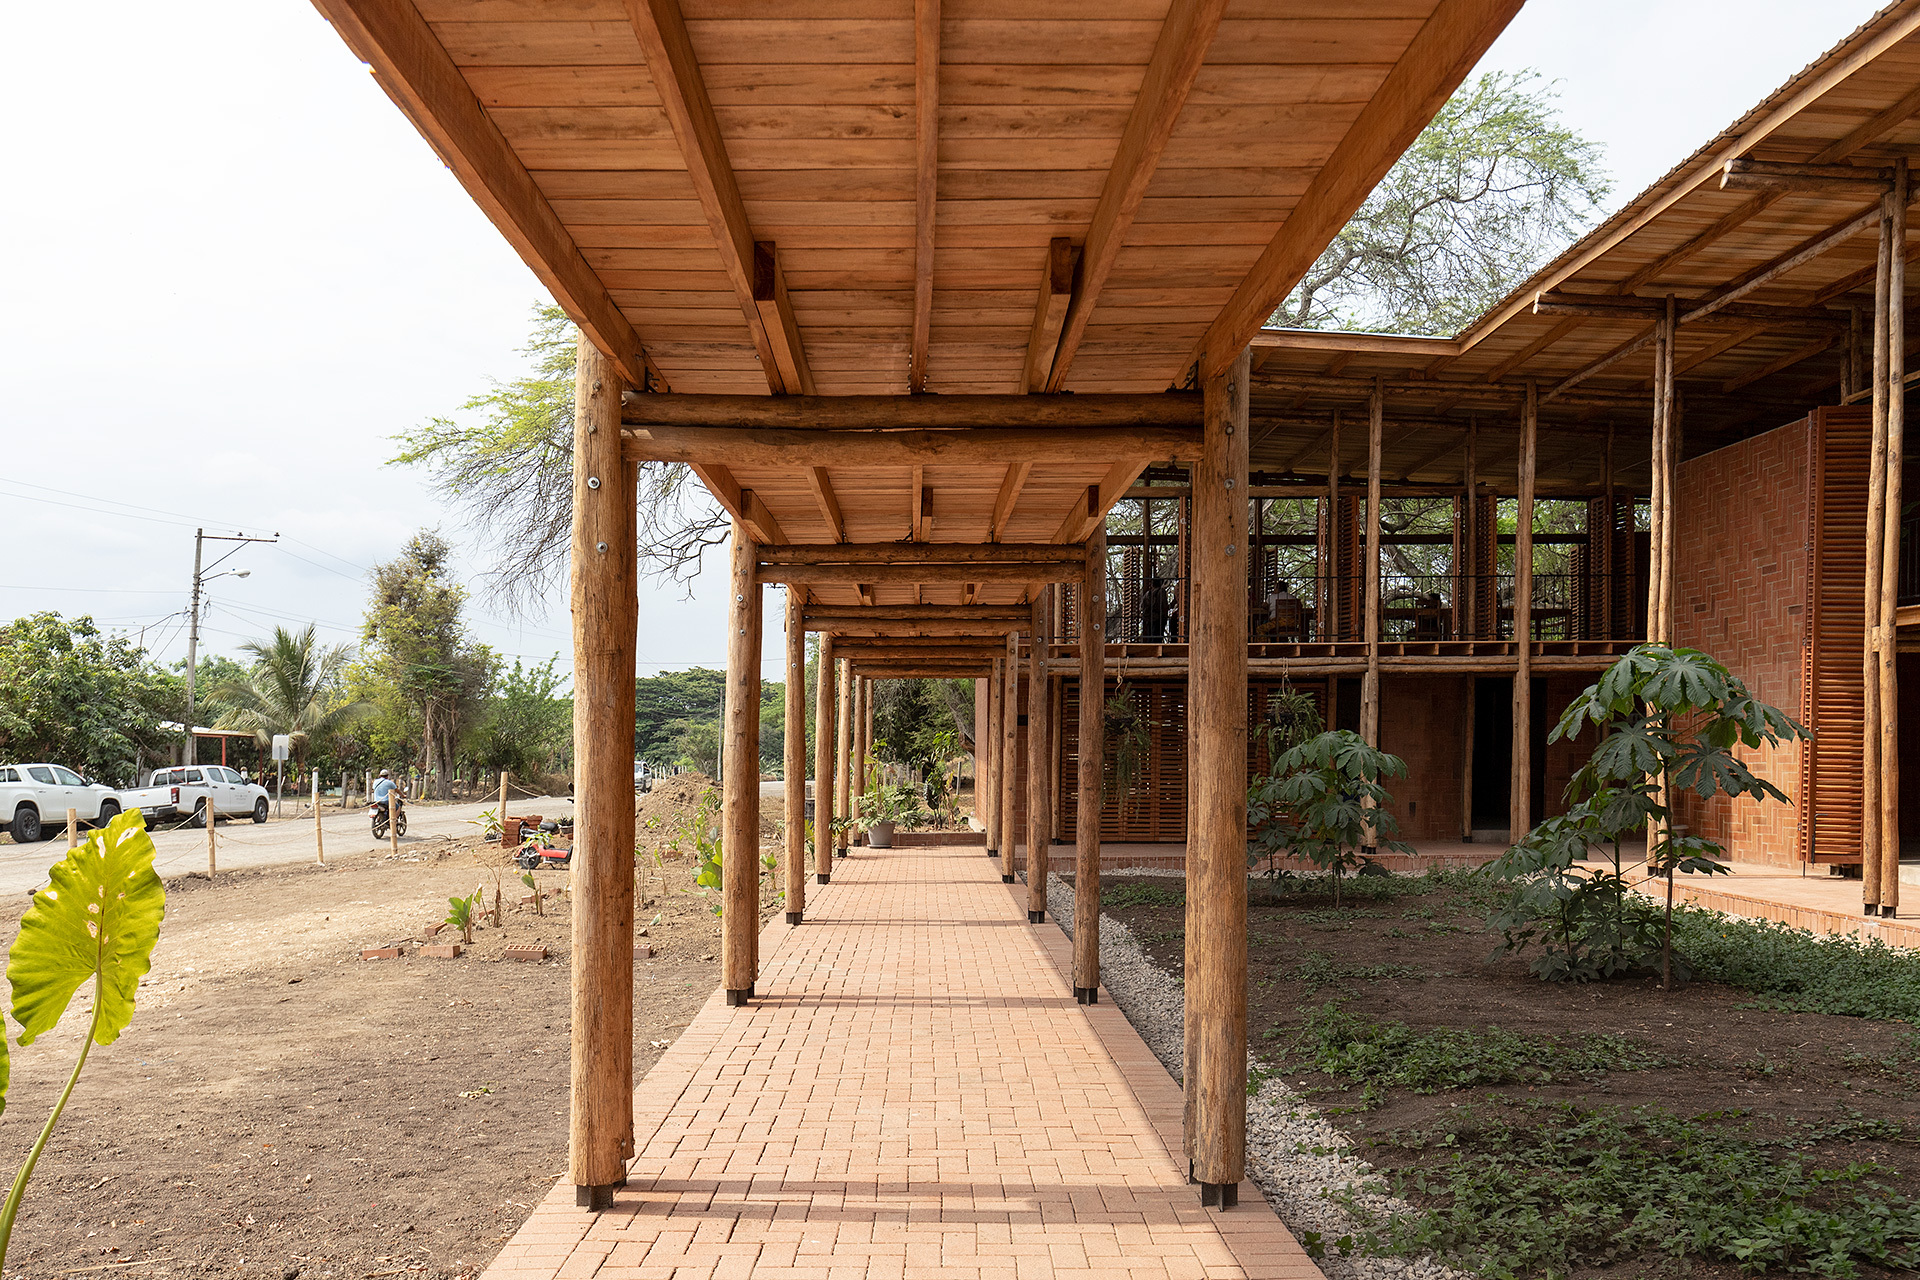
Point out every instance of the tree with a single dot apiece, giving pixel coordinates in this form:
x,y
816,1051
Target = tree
x,y
70,695
527,725
293,689
1324,802
1493,187
417,642
664,704
507,464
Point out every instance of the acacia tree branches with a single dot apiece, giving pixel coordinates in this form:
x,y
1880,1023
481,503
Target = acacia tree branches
x,y
506,464
1491,188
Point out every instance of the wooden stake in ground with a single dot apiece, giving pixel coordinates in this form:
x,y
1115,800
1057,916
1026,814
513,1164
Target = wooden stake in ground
x,y
1039,763
211,867
795,758
73,828
606,604
740,746
824,736
1520,800
1216,1011
1093,752
319,847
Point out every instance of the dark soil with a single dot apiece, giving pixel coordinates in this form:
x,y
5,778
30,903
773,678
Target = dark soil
x,y
1431,955
281,1107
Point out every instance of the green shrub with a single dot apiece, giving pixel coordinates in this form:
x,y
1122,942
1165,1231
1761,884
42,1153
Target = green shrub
x,y
1120,896
1799,971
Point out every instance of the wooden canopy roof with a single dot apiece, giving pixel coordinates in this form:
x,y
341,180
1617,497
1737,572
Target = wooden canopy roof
x,y
928,201
1776,266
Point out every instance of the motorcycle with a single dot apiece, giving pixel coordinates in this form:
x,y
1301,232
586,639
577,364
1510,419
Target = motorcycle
x,y
378,811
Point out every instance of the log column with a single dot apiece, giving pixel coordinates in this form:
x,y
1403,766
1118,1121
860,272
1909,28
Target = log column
x,y
1890,566
1370,686
606,611
740,791
843,779
986,736
824,735
795,762
1520,798
1092,753
1009,759
858,778
1039,761
1329,629
1216,1017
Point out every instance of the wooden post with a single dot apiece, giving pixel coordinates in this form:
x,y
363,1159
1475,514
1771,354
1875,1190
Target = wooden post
x,y
740,790
73,826
843,778
1009,759
986,785
1669,468
606,609
824,736
1607,540
1884,627
1331,631
393,824
1520,800
862,738
1039,761
1093,753
1216,1015
1470,623
503,799
1870,807
212,866
1370,685
319,847
1656,508
794,765
1467,728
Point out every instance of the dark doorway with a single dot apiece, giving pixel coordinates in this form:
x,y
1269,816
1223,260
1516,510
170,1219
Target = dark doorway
x,y
1492,752
1346,711
1907,667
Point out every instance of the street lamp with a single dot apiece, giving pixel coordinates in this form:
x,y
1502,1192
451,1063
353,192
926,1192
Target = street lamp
x,y
200,579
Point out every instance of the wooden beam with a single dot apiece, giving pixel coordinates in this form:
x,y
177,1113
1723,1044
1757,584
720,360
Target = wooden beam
x,y
736,502
1050,312
662,33
1039,762
860,413
916,612
1091,755
921,553
1216,965
918,644
926,181
828,502
1520,784
1185,36
1081,522
776,314
1772,367
1746,174
1531,350
740,798
919,506
1431,458
1432,66
1606,306
878,575
1798,256
410,63
1715,349
606,605
1008,497
777,447
1349,344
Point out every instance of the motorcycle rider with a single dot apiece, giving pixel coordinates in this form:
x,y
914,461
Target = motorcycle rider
x,y
383,788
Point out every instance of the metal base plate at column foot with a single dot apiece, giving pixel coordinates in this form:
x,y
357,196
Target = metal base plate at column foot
x,y
596,1199
1006,879
793,917
738,999
1219,1195
839,853
1087,995
823,877
1036,917
993,853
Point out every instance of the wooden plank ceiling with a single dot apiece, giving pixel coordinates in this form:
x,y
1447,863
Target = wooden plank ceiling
x,y
950,197
1766,360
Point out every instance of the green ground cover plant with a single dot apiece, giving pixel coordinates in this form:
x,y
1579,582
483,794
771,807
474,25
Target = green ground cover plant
x,y
1581,1188
1800,971
1120,896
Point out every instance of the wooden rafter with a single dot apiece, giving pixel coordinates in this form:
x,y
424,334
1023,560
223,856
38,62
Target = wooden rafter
x,y
1008,497
1715,349
1050,312
1083,520
984,446
1430,458
849,413
775,310
416,72
828,501
742,504
662,33
1438,58
1185,36
926,180
1772,367
919,507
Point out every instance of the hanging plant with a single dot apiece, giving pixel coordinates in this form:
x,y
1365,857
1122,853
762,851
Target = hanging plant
x,y
1129,732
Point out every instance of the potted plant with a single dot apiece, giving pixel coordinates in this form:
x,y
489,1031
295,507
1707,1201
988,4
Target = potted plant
x,y
882,807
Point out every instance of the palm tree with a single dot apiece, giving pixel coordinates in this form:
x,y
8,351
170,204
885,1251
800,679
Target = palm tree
x,y
294,689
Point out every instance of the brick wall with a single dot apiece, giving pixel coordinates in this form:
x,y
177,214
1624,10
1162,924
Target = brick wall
x,y
1423,720
1741,596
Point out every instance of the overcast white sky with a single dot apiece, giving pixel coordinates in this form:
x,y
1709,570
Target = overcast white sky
x,y
234,271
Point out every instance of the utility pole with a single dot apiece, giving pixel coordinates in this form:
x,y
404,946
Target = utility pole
x,y
200,579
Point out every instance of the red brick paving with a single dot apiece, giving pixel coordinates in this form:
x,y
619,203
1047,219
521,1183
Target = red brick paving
x,y
915,1093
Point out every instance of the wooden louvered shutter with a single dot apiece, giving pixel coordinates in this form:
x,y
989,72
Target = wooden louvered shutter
x,y
1839,447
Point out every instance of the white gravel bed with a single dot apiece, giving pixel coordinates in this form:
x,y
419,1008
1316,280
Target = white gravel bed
x,y
1298,1159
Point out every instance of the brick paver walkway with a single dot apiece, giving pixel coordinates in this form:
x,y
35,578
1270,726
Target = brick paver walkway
x,y
915,1093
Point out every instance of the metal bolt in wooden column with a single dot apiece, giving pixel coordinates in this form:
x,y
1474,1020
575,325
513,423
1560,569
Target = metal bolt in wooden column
x,y
606,608
1216,1017
1520,797
740,790
1009,758
824,736
1092,752
1039,760
795,759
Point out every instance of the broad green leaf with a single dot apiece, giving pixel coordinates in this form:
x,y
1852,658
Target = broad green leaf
x,y
100,916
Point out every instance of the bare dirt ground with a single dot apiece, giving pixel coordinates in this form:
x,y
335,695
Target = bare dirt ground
x,y
282,1108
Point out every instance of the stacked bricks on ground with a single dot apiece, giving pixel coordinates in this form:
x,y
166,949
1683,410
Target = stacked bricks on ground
x,y
1742,598
914,1092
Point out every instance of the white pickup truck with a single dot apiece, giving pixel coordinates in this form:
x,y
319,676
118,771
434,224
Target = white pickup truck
x,y
192,788
34,799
